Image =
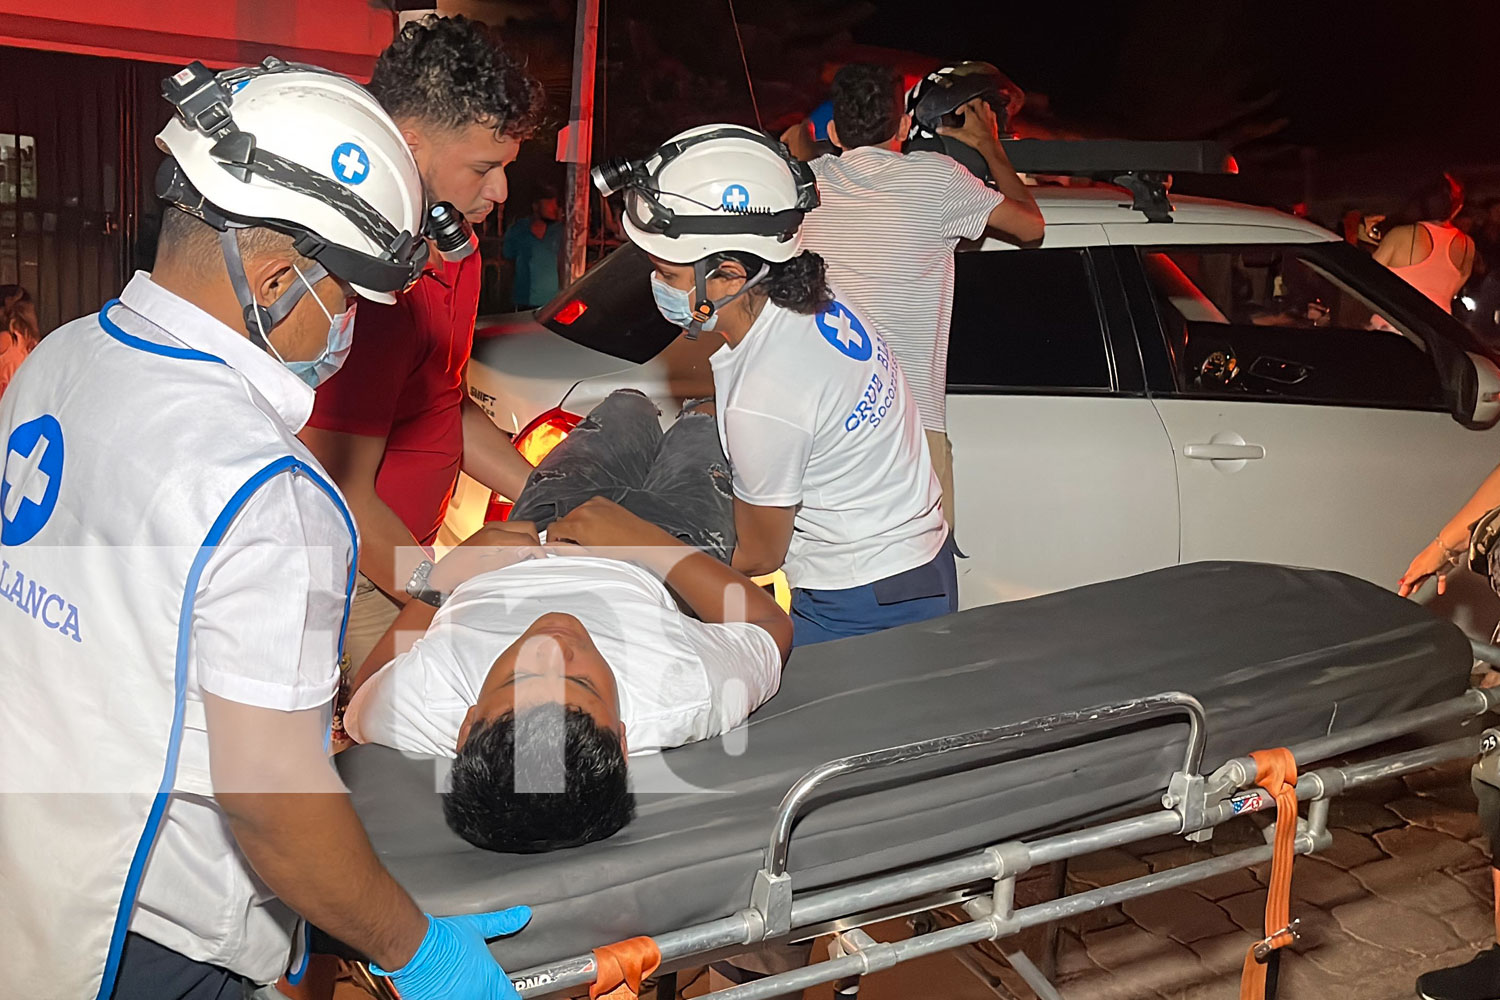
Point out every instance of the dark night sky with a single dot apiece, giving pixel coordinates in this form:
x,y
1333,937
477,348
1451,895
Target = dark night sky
x,y
1335,102
1414,84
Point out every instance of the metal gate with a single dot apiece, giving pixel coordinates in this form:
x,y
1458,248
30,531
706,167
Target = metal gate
x,y
71,180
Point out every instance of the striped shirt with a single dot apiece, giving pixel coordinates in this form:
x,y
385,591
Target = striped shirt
x,y
887,227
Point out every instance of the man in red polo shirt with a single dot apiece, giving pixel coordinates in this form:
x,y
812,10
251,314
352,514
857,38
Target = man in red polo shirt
x,y
395,425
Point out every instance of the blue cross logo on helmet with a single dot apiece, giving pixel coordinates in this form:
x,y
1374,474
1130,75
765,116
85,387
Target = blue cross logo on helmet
x,y
33,465
735,198
350,163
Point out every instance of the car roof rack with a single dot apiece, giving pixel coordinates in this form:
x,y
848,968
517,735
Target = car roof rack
x,y
1142,168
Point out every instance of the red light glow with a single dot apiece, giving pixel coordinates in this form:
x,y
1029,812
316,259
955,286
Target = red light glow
x,y
534,443
545,433
570,312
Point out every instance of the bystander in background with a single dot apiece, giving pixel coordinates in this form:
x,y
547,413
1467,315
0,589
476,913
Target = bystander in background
x,y
19,332
890,221
1426,249
534,244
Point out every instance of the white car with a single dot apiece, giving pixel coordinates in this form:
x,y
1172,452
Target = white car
x,y
1233,383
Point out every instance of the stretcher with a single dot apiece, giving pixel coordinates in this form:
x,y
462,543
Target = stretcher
x,y
926,768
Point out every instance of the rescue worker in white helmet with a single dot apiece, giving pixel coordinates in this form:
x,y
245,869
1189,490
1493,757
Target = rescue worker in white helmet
x,y
177,570
831,475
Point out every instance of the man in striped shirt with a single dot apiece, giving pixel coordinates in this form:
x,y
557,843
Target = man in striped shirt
x,y
890,221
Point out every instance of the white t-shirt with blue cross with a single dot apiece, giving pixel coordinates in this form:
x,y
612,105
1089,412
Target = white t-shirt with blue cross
x,y
814,413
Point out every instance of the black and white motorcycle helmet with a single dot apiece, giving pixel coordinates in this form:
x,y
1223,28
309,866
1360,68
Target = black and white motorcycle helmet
x,y
935,102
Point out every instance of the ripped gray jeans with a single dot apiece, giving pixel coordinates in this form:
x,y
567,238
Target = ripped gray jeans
x,y
677,480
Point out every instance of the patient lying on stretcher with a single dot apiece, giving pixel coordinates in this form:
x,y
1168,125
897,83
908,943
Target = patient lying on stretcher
x,y
549,663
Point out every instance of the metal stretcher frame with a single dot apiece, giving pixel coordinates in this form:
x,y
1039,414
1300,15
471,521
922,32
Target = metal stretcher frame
x,y
983,882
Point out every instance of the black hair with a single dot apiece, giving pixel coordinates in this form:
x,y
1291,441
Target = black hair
x,y
189,242
1439,200
867,104
485,809
449,72
799,284
12,297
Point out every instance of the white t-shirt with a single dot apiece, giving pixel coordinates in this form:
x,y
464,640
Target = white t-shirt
x,y
814,413
680,680
887,227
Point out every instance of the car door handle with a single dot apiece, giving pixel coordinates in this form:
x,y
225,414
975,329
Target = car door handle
x,y
1224,452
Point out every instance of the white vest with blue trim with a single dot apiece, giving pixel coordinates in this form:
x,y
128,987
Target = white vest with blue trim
x,y
126,457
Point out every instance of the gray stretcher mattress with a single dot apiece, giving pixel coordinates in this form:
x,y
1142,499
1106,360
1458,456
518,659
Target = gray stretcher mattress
x,y
1277,656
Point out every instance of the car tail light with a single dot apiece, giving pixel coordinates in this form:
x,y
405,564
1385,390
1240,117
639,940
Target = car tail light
x,y
570,312
780,589
544,433
498,509
534,443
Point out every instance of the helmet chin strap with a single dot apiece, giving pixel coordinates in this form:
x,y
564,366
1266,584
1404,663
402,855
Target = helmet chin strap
x,y
706,309
261,320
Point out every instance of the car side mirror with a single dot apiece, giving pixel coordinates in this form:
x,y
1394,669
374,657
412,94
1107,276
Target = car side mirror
x,y
1481,396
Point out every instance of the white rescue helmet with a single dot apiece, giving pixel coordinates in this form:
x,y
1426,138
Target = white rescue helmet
x,y
303,151
712,189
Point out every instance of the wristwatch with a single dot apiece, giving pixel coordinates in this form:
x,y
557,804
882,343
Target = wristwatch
x,y
419,589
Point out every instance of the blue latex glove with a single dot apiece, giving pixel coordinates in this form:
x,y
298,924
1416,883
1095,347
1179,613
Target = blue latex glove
x,y
454,962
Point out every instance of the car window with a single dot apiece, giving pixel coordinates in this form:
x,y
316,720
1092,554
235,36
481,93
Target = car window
x,y
1284,322
1026,319
610,309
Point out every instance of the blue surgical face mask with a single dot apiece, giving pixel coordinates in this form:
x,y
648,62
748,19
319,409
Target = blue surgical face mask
x,y
676,304
340,339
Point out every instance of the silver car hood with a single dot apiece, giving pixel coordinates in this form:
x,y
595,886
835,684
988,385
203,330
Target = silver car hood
x,y
520,370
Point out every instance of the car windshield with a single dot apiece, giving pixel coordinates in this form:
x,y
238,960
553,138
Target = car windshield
x,y
611,310
1317,322
1259,286
1310,285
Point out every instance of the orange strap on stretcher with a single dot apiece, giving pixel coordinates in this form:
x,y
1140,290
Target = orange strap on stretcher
x,y
1276,772
622,967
